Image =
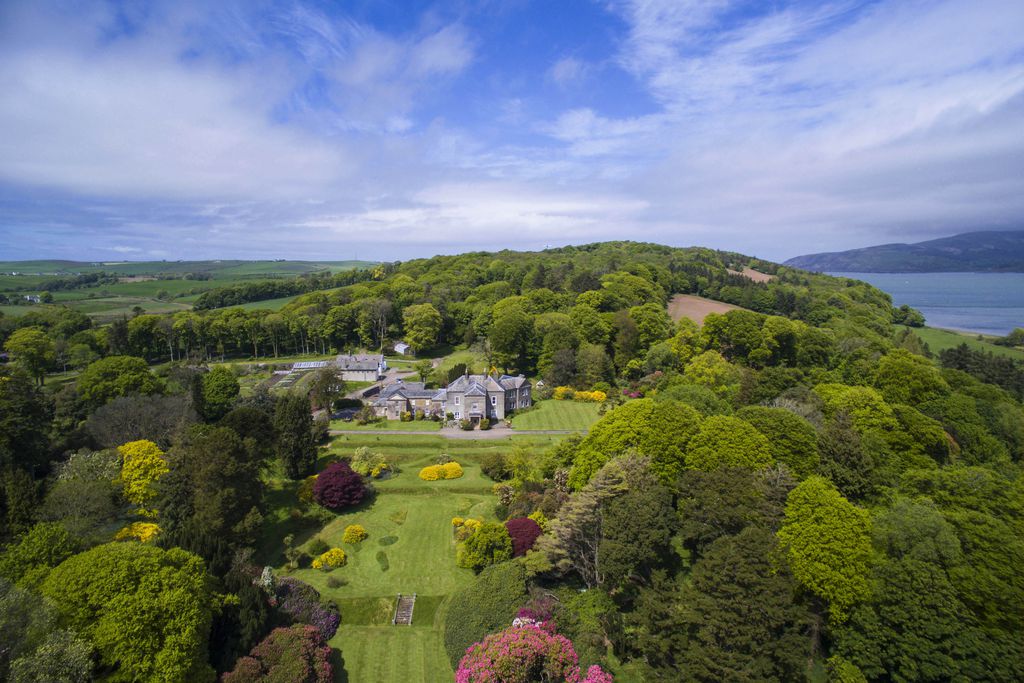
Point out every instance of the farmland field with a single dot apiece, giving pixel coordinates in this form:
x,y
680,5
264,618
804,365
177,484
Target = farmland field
x,y
568,415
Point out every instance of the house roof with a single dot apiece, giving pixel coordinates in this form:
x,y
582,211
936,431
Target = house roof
x,y
360,362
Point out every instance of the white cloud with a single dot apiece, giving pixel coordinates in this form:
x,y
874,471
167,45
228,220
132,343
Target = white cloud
x,y
567,71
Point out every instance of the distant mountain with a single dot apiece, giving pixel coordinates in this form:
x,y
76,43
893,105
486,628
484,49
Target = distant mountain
x,y
976,252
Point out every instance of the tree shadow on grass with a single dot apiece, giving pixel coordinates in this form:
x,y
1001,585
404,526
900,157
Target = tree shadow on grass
x,y
338,666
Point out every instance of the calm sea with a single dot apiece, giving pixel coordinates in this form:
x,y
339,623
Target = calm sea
x,y
990,303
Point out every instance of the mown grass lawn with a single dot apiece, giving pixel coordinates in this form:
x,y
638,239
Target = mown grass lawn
x,y
410,549
569,415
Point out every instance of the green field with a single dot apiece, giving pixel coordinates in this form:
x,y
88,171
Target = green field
x,y
410,549
109,301
569,415
414,426
940,340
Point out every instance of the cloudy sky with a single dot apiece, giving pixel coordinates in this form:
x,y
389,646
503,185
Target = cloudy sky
x,y
390,129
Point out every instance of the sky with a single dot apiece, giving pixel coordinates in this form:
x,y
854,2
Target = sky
x,y
390,130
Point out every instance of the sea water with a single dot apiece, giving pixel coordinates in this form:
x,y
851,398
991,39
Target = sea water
x,y
988,303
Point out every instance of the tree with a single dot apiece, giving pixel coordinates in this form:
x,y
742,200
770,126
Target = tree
x,y
490,544
422,323
636,529
42,548
660,430
33,350
903,377
220,389
156,418
213,487
326,388
524,532
24,420
293,422
143,463
726,441
296,654
511,333
339,486
827,544
484,606
791,438
146,610
62,657
711,370
114,376
739,617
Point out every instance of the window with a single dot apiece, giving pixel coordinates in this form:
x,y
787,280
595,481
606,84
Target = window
x,y
494,400
456,400
458,415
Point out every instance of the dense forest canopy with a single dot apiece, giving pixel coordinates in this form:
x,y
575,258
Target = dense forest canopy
x,y
792,490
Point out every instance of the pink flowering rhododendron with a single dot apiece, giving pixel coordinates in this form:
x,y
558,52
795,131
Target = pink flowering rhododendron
x,y
524,654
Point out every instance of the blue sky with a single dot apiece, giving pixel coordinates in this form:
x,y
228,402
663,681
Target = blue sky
x,y
389,130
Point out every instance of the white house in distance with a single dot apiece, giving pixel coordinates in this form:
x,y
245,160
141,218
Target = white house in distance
x,y
403,349
361,367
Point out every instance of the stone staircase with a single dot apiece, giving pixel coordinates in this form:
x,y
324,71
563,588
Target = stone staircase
x,y
403,610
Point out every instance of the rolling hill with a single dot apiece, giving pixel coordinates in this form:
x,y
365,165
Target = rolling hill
x,y
978,252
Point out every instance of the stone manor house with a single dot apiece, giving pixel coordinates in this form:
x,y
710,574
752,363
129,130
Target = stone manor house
x,y
471,397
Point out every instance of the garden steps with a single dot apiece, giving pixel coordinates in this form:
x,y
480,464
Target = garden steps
x,y
403,610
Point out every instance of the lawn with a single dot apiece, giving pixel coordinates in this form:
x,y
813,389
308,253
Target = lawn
x,y
398,425
940,340
410,549
568,415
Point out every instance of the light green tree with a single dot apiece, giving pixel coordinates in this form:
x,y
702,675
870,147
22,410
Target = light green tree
x,y
422,323
726,441
826,540
31,348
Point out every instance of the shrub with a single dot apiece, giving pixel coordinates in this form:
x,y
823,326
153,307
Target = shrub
x,y
451,470
318,547
431,473
338,487
300,602
442,459
458,521
354,533
365,460
563,393
591,396
335,557
296,653
305,490
485,424
140,531
406,417
466,425
541,519
523,654
486,605
495,466
524,532
468,527
335,582
488,545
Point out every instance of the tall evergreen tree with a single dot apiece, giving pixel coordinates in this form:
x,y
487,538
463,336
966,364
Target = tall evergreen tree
x,y
296,449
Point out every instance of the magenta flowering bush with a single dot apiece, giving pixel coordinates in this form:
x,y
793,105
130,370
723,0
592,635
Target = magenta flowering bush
x,y
524,654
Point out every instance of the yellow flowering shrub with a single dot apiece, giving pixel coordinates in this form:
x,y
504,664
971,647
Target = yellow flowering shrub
x,y
354,533
563,393
335,557
305,492
141,531
431,473
467,528
451,470
458,521
540,518
591,396
142,464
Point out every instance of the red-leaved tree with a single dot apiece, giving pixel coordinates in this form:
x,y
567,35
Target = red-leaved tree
x,y
339,486
524,532
297,653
